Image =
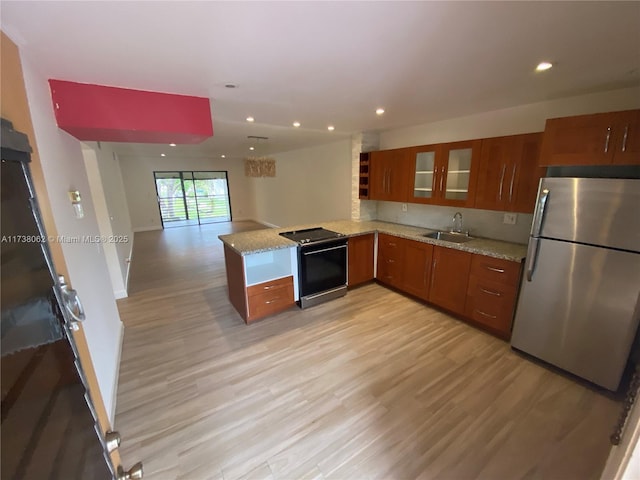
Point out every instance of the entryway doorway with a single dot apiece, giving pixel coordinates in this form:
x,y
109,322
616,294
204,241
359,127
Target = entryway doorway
x,y
192,198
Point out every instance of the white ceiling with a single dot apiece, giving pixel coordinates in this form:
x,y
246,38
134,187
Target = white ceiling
x,y
324,63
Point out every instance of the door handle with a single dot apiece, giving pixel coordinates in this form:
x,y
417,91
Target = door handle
x,y
624,138
532,257
513,177
72,303
538,215
504,168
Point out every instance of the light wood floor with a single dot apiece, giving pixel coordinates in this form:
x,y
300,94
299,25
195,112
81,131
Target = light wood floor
x,y
372,385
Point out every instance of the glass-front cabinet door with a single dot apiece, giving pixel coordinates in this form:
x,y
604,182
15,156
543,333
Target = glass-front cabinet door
x,y
445,174
458,174
424,175
460,161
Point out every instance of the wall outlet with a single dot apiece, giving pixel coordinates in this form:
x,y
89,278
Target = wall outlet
x,y
404,207
510,218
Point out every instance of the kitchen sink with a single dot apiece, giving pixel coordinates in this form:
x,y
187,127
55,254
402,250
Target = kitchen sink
x,y
449,236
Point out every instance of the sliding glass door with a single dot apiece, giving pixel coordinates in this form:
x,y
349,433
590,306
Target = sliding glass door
x,y
192,198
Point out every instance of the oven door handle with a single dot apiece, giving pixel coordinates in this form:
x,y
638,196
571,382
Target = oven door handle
x,y
324,250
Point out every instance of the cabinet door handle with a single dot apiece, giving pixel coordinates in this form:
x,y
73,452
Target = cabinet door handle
x,y
624,138
274,300
606,142
441,178
485,314
504,168
493,269
433,271
391,261
490,292
269,287
513,176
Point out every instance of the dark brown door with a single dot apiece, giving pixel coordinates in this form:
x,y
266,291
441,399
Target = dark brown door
x,y
48,429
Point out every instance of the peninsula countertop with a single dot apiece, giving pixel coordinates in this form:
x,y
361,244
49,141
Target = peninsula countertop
x,y
257,241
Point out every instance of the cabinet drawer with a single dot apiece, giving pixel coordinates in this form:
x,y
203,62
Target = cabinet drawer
x,y
491,303
268,286
270,301
389,270
496,269
388,243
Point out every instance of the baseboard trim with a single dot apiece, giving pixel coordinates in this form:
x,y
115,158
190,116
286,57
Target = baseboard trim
x,y
120,294
146,229
267,224
114,390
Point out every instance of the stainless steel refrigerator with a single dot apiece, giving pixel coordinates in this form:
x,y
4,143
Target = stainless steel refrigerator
x,y
579,300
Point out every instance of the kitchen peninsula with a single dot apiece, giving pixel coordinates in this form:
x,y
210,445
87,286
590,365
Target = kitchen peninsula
x,y
476,280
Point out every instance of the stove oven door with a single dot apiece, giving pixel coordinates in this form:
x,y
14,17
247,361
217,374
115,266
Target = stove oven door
x,y
322,267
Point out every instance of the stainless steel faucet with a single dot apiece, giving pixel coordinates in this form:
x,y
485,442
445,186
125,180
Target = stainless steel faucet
x,y
457,222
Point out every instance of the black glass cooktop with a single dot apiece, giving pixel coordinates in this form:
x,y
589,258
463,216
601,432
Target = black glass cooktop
x,y
311,235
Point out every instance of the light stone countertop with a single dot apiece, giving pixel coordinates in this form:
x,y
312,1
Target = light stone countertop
x,y
257,241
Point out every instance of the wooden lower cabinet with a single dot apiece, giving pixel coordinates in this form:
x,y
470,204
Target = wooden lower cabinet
x,y
479,288
492,293
416,268
259,300
269,297
449,278
361,255
404,264
390,259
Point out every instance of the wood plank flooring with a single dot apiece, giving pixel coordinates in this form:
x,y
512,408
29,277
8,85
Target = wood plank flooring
x,y
373,385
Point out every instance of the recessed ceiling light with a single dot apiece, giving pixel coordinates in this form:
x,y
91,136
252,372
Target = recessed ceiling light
x,y
250,119
163,155
296,124
331,128
379,111
223,156
542,66
172,144
251,148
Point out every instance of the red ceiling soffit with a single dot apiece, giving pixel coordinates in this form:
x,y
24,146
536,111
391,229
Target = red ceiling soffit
x,y
110,114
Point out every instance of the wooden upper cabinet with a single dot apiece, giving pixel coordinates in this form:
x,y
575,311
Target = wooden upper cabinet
x,y
450,278
445,174
389,175
628,141
598,139
509,173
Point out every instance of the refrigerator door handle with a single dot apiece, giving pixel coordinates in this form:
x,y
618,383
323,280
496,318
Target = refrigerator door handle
x,y
538,216
532,257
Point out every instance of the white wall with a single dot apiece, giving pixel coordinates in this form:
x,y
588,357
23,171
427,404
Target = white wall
x,y
63,167
107,190
311,185
137,175
509,121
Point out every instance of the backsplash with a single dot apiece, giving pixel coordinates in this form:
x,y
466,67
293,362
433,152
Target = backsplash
x,y
480,223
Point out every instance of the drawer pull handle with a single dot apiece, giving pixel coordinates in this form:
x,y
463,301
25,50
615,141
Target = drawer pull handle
x,y
493,269
490,292
269,287
272,301
391,261
485,314
391,244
